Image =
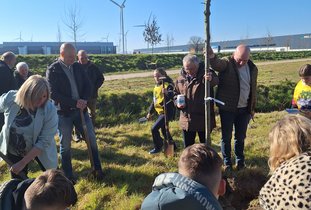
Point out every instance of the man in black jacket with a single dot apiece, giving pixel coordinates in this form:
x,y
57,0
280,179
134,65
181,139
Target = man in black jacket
x,y
70,90
96,79
7,62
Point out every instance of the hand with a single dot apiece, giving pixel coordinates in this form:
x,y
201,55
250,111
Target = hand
x,y
208,76
81,104
18,167
148,116
164,91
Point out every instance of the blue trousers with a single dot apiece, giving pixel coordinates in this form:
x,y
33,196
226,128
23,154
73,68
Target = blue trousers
x,y
65,126
157,139
239,120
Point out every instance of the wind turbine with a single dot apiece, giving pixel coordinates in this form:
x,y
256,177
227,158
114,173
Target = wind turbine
x,y
121,20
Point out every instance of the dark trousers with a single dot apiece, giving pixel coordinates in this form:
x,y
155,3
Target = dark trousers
x,y
189,137
1,121
14,159
157,139
239,120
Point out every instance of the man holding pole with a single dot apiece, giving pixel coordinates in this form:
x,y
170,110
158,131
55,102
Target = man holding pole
x,y
237,89
70,90
190,85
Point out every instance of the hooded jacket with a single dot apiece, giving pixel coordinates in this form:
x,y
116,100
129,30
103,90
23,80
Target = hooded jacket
x,y
172,191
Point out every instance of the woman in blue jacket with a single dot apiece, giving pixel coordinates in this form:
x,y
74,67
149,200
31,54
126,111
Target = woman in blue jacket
x,y
30,125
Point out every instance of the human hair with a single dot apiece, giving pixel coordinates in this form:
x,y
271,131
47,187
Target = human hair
x,y
290,137
31,91
51,189
198,161
22,65
305,70
162,71
192,59
8,56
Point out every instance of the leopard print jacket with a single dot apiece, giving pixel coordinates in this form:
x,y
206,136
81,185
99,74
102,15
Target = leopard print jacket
x,y
289,186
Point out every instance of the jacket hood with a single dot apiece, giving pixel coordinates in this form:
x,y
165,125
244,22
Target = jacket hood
x,y
172,191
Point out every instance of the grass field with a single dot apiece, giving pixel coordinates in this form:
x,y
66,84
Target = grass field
x,y
130,170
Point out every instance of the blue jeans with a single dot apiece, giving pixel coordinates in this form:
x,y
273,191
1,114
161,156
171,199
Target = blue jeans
x,y
189,137
239,120
157,139
65,126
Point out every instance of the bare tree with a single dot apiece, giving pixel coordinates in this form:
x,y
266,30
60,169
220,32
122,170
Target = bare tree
x,y
73,22
151,33
268,40
196,43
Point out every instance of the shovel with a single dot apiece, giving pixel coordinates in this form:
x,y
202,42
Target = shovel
x,y
168,143
87,139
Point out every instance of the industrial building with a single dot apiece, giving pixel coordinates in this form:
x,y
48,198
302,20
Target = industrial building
x,y
47,48
296,42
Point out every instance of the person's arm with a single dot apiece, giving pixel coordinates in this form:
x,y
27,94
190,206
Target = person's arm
x,y
18,167
44,139
151,110
217,64
295,96
99,77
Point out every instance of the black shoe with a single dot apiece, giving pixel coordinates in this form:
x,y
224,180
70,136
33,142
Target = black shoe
x,y
154,151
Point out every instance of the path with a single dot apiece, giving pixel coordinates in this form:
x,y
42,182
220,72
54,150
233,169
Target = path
x,y
170,72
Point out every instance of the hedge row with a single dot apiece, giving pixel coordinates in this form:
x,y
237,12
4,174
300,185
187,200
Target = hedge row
x,y
128,107
122,63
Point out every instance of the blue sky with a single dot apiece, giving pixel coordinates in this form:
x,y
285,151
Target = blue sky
x,y
37,20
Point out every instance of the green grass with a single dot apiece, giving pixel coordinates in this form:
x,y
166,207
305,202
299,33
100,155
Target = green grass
x,y
130,170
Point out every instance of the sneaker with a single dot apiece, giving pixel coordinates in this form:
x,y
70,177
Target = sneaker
x,y
154,151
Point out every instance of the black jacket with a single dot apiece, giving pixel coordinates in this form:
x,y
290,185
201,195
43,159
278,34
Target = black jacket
x,y
96,78
7,79
60,86
20,80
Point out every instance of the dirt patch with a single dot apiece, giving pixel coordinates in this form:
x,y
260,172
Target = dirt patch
x,y
243,189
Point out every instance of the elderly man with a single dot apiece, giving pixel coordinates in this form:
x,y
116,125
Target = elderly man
x,y
7,62
197,185
70,90
21,73
237,89
96,78
190,84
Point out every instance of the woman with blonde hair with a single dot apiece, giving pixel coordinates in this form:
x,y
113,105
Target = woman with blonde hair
x,y
290,163
30,125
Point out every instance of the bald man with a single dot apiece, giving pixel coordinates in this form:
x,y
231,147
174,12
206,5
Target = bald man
x,y
7,62
237,88
70,90
96,79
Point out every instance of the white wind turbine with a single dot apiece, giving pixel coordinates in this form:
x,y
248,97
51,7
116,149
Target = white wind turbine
x,y
121,20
